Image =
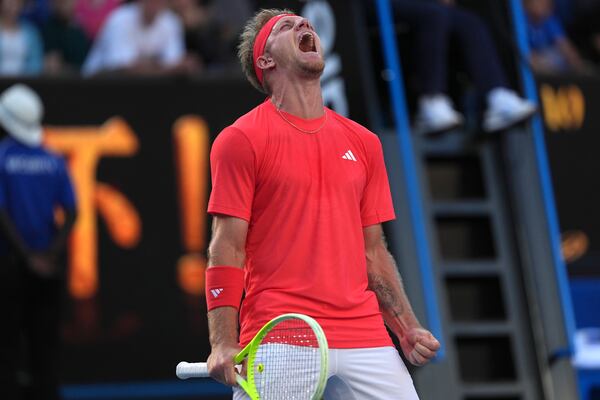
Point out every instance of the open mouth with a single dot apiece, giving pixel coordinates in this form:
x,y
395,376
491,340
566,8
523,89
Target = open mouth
x,y
307,43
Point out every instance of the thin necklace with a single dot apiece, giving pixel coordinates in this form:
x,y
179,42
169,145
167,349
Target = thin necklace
x,y
300,129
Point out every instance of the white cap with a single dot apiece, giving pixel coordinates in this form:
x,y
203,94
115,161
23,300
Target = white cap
x,y
21,112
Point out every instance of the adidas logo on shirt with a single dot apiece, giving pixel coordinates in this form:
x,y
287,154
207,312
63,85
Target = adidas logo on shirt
x,y
349,156
216,292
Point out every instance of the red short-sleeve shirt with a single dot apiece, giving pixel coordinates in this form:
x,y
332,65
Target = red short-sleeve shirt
x,y
307,197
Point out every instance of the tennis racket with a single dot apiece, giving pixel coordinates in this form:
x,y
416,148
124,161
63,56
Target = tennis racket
x,y
286,360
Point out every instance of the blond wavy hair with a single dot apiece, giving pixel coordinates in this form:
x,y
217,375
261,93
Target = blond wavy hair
x,y
246,46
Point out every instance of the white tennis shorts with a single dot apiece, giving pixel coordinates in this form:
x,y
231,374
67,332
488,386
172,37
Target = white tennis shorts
x,y
376,373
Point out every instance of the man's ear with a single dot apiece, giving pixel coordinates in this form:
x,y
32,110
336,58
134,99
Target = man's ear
x,y
265,62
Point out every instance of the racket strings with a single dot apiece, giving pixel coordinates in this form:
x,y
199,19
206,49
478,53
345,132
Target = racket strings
x,y
288,362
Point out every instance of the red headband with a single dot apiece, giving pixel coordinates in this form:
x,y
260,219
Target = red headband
x,y
261,41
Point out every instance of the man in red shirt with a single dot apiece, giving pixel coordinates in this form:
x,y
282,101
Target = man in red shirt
x,y
299,195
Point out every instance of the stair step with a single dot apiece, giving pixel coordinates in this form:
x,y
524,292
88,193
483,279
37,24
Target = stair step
x,y
451,143
493,389
463,207
492,328
470,268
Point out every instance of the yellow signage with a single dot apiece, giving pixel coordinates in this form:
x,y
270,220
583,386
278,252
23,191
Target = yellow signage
x,y
564,107
83,147
191,141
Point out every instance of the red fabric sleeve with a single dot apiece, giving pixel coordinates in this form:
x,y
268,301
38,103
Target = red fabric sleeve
x,y
232,166
376,205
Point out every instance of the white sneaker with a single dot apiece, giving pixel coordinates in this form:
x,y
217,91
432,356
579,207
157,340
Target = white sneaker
x,y
506,109
436,115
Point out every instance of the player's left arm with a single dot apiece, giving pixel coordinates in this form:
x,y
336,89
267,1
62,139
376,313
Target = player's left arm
x,y
418,344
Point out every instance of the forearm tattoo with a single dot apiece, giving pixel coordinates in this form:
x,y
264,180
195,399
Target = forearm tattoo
x,y
386,283
388,300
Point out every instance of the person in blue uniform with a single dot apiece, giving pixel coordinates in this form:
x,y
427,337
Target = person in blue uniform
x,y
34,183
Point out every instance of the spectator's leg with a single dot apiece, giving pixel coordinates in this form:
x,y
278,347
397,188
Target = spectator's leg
x,y
480,53
505,108
43,333
10,333
431,25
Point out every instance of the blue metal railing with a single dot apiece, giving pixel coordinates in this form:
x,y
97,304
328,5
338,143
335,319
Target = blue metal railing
x,y
400,111
530,89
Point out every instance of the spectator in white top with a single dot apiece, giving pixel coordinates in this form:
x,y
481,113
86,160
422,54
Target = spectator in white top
x,y
20,43
143,37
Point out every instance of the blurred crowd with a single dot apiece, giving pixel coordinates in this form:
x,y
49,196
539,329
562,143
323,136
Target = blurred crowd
x,y
57,37
92,37
564,35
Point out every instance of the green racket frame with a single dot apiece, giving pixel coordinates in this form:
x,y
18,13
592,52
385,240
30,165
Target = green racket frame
x,y
251,348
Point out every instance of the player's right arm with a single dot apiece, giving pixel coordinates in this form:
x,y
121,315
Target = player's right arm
x,y
232,165
227,247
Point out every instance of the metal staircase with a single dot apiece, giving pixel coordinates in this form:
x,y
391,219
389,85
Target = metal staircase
x,y
476,253
478,275
489,311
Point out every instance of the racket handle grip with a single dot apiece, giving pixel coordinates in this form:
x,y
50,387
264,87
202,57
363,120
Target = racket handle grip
x,y
187,370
